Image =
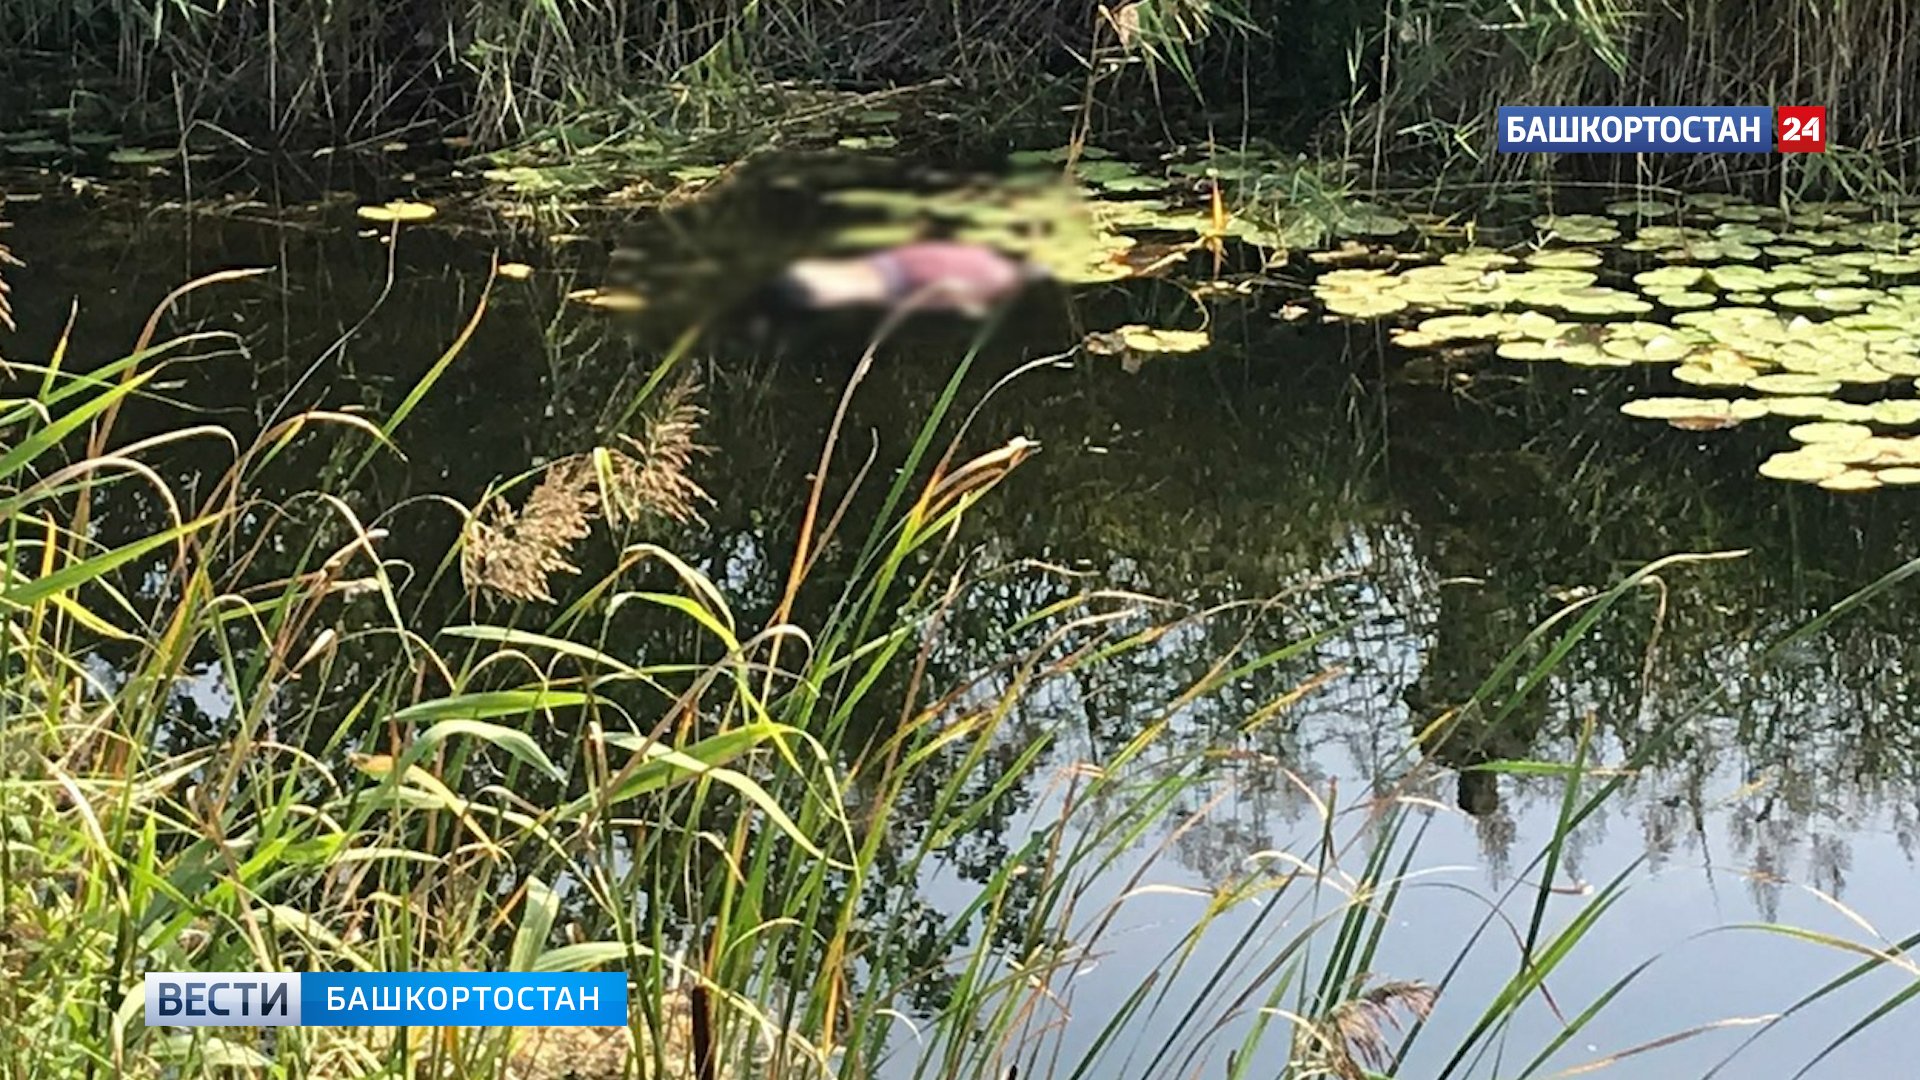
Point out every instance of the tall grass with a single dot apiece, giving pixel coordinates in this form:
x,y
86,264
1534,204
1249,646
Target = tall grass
x,y
745,830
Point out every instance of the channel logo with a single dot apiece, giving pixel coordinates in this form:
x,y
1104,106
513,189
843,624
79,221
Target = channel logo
x,y
1745,129
386,999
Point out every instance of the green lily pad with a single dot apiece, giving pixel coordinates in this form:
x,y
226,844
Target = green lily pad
x,y
1594,300
1833,299
1792,383
1694,414
1642,208
399,210
1817,408
1851,480
1564,259
1682,300
143,155
1711,200
1579,228
609,300
1737,232
1362,305
1148,339
1528,351
1477,259
1661,350
1717,368
1669,277
1896,413
1797,465
1830,431
1370,222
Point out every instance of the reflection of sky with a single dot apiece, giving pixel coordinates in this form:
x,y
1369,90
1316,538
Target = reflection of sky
x,y
1727,836
1239,486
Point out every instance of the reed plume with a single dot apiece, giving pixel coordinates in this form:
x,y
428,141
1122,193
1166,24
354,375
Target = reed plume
x,y
515,555
648,476
1351,1040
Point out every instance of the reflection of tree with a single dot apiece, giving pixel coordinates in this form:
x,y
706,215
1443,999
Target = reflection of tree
x,y
1279,467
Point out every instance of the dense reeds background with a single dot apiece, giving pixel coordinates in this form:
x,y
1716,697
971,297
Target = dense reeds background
x,y
1409,83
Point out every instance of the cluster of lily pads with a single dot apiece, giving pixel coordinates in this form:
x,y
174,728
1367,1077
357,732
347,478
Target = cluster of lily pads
x,y
1788,310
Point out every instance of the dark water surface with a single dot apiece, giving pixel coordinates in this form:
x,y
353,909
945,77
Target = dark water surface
x,y
1428,517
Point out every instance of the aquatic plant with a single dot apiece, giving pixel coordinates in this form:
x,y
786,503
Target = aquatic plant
x,y
743,827
1831,314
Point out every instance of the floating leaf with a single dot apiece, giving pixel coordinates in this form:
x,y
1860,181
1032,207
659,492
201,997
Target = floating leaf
x,y
1150,340
1564,259
1682,300
1830,431
1363,305
1790,383
1896,413
1837,299
616,300
1799,466
1695,414
1642,208
1857,452
1579,228
1851,480
1669,277
398,210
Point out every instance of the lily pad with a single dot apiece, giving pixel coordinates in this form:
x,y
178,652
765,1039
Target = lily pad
x,y
612,300
1579,228
1564,259
1150,340
1792,383
1363,305
1852,480
1642,208
1669,277
1682,300
399,210
1830,431
143,155
1694,414
1798,465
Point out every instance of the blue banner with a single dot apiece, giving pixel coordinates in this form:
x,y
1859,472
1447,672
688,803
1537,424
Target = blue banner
x,y
387,999
1636,130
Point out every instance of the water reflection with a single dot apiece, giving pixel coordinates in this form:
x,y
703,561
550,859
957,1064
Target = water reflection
x,y
1424,527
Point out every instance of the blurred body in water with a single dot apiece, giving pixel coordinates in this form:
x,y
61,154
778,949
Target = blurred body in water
x,y
967,279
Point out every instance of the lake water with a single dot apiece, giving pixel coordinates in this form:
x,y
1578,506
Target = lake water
x,y
1425,517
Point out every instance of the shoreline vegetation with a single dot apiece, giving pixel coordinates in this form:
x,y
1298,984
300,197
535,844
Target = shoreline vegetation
x,y
462,762
728,831
1406,90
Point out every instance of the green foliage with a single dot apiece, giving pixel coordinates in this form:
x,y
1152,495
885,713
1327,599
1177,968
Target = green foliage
x,y
743,828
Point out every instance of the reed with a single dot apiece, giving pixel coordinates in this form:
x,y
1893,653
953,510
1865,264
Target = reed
x,y
743,829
